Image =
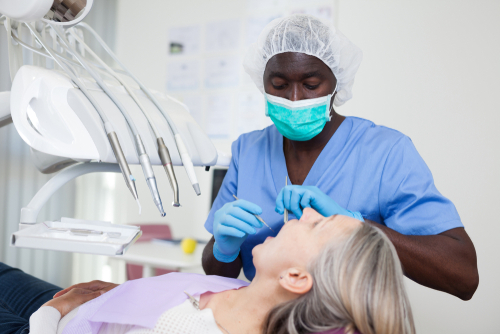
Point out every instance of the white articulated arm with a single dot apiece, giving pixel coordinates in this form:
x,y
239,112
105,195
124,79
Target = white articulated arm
x,y
30,213
5,117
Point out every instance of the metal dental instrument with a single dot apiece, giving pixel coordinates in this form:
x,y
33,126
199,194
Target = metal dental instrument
x,y
186,159
169,169
259,218
285,215
144,160
111,134
81,231
143,157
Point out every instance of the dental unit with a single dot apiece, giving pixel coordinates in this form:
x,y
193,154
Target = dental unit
x,y
80,116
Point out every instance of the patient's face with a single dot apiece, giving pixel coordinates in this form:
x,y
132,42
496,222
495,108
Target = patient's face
x,y
300,241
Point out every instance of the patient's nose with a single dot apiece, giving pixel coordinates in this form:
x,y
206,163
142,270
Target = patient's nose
x,y
310,215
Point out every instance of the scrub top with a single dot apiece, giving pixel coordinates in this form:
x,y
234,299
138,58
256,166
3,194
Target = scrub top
x,y
364,167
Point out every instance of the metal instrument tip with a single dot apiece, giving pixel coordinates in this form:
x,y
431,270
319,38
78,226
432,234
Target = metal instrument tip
x,y
139,204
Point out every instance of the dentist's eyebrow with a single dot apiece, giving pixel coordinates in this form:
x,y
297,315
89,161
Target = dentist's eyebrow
x,y
316,74
274,74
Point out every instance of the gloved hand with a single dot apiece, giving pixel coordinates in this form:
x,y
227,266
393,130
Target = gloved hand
x,y
297,198
232,225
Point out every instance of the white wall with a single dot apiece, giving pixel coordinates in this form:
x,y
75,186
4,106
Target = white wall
x,y
431,69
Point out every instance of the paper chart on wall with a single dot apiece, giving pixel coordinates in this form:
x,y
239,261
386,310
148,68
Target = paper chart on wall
x,y
183,75
255,25
222,72
184,40
222,35
218,116
195,106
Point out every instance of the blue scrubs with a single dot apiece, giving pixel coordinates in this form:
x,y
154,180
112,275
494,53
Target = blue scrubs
x,y
364,167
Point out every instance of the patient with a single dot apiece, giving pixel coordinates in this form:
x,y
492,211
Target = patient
x,y
318,274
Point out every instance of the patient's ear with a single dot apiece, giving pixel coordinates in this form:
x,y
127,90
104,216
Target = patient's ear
x,y
296,280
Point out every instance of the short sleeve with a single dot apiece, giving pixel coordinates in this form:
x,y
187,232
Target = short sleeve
x,y
228,188
408,199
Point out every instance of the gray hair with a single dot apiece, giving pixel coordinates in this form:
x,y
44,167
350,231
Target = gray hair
x,y
357,285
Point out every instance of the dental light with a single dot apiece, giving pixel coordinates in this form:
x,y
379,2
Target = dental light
x,y
80,116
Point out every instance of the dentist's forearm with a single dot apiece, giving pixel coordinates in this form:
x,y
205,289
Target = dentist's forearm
x,y
214,267
445,262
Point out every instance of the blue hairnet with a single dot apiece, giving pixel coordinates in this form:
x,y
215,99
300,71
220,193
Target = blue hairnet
x,y
310,35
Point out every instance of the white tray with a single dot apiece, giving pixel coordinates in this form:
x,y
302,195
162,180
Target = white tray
x,y
39,236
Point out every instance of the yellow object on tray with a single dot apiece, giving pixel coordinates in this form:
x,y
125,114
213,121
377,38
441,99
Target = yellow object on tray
x,y
188,245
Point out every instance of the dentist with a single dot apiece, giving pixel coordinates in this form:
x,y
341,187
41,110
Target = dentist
x,y
336,165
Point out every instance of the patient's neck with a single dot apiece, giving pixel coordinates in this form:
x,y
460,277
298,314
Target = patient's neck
x,y
244,310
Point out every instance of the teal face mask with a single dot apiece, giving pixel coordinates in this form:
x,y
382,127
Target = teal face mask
x,y
299,120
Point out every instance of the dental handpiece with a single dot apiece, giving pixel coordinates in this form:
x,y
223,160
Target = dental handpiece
x,y
149,174
122,162
113,139
186,159
167,164
259,218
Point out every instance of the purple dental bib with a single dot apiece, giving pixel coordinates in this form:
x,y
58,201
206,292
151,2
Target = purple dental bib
x,y
141,302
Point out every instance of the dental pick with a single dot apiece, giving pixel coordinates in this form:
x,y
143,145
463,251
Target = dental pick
x,y
259,218
285,214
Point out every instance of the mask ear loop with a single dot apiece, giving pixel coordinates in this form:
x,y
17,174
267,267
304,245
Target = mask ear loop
x,y
330,101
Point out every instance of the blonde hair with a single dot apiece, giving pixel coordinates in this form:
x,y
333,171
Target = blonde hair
x,y
358,285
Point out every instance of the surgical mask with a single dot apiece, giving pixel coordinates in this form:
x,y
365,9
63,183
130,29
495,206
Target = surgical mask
x,y
299,120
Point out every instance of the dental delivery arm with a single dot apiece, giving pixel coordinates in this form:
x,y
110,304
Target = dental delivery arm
x,y
212,266
445,262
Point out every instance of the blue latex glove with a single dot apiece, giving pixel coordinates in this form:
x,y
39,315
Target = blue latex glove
x,y
297,198
232,225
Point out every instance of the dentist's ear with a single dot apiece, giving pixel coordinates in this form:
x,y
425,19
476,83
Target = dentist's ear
x,y
296,280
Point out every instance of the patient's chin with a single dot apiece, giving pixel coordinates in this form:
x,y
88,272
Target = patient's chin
x,y
256,251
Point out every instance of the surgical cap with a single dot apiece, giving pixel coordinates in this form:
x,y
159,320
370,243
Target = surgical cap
x,y
312,36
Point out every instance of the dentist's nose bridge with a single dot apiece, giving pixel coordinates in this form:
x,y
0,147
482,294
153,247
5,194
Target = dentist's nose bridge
x,y
295,92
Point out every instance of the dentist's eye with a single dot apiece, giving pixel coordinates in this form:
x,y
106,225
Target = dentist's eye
x,y
311,87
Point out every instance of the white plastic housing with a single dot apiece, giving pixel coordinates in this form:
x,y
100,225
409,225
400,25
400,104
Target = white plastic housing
x,y
54,117
25,10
